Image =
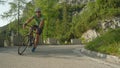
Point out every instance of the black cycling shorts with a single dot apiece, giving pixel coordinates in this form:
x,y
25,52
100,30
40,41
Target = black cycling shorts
x,y
39,30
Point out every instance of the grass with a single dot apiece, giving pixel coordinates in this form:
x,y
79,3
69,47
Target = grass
x,y
109,43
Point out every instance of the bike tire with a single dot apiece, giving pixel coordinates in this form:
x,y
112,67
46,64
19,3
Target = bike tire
x,y
24,44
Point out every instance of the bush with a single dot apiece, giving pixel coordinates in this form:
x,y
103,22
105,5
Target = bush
x,y
108,43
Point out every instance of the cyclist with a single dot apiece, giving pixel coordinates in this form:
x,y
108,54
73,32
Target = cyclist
x,y
38,27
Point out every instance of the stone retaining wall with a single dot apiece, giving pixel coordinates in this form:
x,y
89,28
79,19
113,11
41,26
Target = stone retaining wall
x,y
51,41
75,41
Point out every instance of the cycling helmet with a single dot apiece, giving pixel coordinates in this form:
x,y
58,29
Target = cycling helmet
x,y
37,10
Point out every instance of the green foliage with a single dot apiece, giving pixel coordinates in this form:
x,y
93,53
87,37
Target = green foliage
x,y
108,43
93,13
108,3
64,21
103,9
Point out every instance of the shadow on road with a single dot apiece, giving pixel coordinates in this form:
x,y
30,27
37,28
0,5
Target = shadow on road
x,y
46,52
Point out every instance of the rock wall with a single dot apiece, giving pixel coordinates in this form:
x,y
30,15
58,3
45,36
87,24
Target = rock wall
x,y
89,36
104,25
110,23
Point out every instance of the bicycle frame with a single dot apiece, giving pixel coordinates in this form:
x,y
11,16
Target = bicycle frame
x,y
27,41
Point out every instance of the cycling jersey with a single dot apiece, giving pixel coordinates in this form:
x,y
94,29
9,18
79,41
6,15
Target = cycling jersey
x,y
38,19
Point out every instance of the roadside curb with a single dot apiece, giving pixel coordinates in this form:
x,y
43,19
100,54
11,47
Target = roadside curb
x,y
105,57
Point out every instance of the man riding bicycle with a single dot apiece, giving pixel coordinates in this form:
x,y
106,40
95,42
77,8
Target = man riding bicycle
x,y
38,27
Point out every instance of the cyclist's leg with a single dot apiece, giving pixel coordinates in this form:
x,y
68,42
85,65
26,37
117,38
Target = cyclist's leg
x,y
36,40
38,33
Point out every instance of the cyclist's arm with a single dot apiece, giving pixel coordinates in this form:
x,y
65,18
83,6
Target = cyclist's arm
x,y
29,20
41,24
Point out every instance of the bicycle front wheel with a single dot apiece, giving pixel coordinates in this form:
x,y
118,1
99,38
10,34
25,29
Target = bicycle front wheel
x,y
24,44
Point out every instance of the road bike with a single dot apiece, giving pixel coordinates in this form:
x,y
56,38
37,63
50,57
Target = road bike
x,y
27,42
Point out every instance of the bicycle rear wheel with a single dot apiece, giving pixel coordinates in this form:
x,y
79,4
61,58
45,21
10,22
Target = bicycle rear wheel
x,y
24,44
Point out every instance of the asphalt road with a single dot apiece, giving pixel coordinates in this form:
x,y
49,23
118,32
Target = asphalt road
x,y
48,56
